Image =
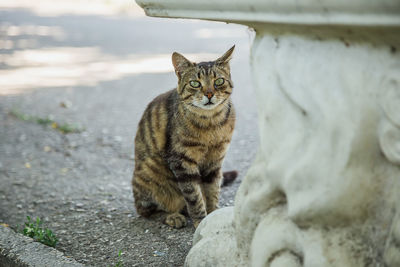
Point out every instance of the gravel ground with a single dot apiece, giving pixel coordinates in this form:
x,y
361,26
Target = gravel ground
x,y
98,71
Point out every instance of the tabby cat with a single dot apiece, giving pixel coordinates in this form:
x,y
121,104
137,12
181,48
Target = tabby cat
x,y
181,142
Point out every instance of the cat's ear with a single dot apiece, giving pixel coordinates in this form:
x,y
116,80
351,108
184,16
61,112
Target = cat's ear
x,y
224,59
180,63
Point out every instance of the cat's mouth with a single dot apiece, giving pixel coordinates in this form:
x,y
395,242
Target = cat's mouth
x,y
205,104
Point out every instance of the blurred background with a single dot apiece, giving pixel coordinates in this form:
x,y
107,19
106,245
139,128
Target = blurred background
x,y
75,77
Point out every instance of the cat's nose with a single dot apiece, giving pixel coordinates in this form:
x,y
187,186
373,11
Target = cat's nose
x,y
209,94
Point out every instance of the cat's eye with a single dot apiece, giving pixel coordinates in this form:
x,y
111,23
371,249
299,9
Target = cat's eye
x,y
195,84
219,81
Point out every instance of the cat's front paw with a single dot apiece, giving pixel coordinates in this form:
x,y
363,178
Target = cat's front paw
x,y
196,223
212,208
176,220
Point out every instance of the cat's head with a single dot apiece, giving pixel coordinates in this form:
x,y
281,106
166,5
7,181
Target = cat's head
x,y
206,84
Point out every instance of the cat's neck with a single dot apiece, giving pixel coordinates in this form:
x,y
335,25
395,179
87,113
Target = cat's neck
x,y
201,113
203,119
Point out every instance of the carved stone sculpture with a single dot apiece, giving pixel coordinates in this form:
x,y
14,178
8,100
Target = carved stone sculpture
x,y
324,189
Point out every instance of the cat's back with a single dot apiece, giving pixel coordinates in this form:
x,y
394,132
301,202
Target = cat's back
x,y
161,102
150,136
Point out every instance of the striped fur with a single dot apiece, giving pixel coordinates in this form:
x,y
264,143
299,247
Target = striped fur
x,y
181,142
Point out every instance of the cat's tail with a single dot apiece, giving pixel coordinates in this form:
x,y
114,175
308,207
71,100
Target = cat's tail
x,y
229,177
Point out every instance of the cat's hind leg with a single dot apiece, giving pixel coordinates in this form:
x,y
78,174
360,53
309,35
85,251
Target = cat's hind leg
x,y
173,204
145,205
158,195
145,208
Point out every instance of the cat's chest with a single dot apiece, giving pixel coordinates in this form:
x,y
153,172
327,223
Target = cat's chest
x,y
213,137
207,134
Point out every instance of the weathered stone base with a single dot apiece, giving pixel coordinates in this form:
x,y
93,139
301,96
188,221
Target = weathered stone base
x,y
325,187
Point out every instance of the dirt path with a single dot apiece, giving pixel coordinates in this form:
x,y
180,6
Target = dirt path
x,y
95,72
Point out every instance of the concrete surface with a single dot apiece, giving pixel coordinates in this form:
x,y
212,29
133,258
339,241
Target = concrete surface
x,y
21,251
99,70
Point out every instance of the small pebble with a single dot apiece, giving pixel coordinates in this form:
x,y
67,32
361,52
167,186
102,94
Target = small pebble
x,y
158,253
66,104
73,144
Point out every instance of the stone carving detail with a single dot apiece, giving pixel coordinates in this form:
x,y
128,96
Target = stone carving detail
x,y
392,249
324,189
389,140
389,130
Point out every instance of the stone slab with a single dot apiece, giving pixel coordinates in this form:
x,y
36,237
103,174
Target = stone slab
x,y
17,250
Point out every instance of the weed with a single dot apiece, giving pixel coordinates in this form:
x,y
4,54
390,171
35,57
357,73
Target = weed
x,y
68,128
64,128
119,263
35,231
23,117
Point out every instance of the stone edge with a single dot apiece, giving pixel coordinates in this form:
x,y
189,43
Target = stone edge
x,y
21,251
257,11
